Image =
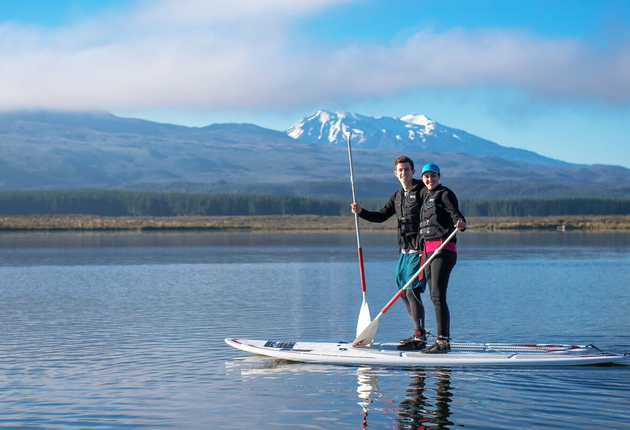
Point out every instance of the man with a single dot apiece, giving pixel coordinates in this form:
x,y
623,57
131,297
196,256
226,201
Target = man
x,y
406,204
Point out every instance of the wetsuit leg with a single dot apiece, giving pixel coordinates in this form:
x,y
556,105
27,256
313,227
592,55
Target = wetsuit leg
x,y
438,273
415,308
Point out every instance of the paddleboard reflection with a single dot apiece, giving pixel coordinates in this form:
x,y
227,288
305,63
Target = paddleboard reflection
x,y
391,398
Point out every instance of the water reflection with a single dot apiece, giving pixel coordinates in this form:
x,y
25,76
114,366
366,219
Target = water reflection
x,y
416,411
70,248
368,387
426,403
404,399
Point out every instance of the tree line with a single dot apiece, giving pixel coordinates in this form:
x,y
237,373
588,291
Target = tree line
x,y
547,207
127,203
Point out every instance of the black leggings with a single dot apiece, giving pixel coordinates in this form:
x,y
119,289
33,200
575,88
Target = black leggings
x,y
438,273
413,302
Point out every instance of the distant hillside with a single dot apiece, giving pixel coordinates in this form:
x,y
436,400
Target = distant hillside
x,y
57,151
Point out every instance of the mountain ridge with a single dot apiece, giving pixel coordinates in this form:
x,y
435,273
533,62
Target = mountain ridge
x,y
48,151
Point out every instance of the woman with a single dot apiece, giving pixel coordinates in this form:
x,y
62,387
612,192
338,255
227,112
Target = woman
x,y
439,217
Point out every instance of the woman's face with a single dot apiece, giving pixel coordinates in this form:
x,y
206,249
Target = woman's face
x,y
431,180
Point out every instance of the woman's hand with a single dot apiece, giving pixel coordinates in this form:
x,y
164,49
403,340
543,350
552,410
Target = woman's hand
x,y
356,208
460,225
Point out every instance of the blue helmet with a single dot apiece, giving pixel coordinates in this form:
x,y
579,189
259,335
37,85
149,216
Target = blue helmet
x,y
430,167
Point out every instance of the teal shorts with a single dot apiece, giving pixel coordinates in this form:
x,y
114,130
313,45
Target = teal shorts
x,y
408,265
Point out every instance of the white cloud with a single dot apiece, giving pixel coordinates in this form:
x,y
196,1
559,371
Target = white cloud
x,y
195,54
204,12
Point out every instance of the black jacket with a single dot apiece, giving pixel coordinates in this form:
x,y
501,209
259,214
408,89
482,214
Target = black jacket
x,y
439,213
407,209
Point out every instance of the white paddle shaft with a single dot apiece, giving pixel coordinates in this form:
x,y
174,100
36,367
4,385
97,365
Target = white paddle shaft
x,y
364,314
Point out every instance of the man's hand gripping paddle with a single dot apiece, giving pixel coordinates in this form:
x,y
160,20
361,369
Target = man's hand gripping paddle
x,y
366,337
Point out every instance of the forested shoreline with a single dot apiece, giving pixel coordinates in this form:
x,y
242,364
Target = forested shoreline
x,y
114,203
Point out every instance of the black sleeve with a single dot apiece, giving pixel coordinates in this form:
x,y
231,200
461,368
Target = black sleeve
x,y
382,215
451,206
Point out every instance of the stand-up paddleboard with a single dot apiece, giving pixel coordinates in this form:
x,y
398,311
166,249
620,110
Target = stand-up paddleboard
x,y
462,354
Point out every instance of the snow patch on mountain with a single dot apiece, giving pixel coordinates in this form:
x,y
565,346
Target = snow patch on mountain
x,y
413,132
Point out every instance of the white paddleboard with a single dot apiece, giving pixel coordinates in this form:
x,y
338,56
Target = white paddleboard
x,y
462,354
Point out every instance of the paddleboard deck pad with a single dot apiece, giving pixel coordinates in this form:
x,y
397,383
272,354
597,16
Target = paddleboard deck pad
x,y
462,354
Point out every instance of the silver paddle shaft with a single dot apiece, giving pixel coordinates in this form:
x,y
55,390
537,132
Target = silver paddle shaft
x,y
354,196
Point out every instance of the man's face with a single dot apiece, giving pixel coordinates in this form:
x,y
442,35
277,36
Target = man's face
x,y
404,173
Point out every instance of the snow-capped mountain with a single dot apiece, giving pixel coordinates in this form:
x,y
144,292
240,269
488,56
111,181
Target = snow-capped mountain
x,y
96,150
408,133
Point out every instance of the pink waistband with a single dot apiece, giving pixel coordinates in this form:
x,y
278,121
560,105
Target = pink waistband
x,y
432,245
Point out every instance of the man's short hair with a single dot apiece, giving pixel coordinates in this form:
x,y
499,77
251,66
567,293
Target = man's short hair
x,y
403,159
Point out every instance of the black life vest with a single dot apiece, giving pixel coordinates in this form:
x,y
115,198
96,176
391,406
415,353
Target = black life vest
x,y
435,223
408,212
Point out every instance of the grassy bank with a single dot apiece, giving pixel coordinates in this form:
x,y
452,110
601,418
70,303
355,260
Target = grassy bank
x,y
292,222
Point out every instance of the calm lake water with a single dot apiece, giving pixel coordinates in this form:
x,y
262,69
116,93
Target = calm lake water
x,y
126,331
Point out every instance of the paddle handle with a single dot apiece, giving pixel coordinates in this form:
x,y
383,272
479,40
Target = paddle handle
x,y
413,278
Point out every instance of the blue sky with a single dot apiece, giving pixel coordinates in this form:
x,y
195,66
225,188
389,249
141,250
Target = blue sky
x,y
548,76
